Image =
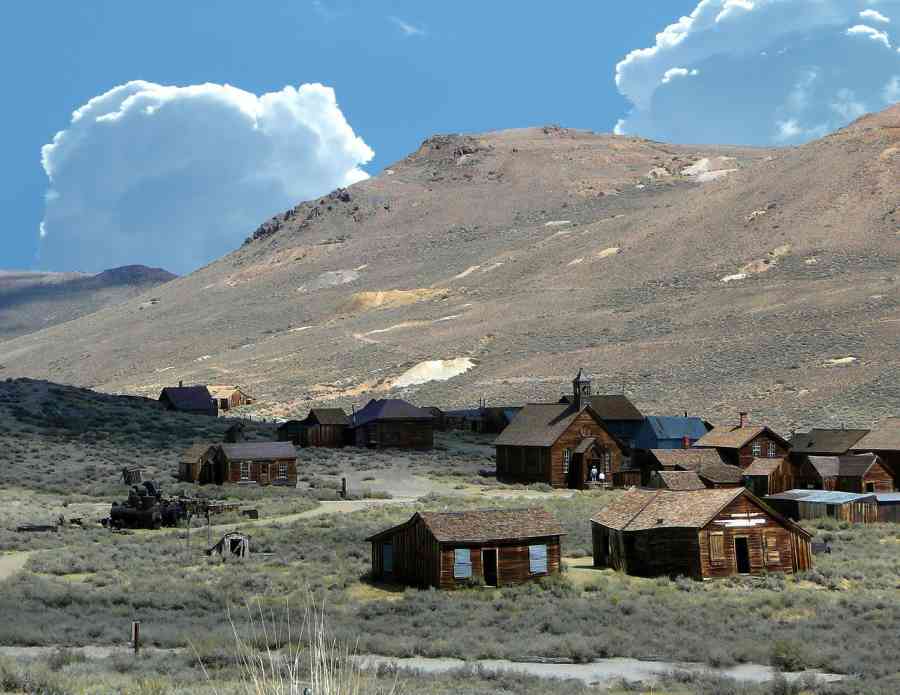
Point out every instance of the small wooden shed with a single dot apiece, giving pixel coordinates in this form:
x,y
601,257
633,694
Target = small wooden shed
x,y
884,440
392,423
228,397
191,462
768,476
852,507
697,533
496,547
189,399
888,507
326,427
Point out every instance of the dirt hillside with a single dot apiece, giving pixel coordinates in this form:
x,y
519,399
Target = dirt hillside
x,y
31,301
706,279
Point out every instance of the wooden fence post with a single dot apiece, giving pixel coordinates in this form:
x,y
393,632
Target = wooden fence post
x,y
136,635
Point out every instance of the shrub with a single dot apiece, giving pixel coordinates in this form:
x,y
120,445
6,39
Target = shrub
x,y
788,655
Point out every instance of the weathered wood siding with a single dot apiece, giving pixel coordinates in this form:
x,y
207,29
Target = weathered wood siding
x,y
324,435
876,479
523,464
656,552
513,563
399,434
416,556
262,472
772,546
745,455
583,426
852,512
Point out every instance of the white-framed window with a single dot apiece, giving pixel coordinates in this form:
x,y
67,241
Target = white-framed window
x,y
772,452
756,449
537,559
282,471
567,459
245,470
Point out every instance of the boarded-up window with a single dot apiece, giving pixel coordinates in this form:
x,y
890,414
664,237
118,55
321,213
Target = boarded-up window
x,y
717,546
245,470
773,557
387,558
537,559
462,563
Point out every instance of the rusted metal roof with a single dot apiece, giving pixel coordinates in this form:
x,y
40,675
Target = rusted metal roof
x,y
680,480
480,526
763,466
825,441
259,451
886,437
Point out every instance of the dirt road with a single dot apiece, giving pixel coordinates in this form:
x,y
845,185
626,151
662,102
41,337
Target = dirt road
x,y
10,563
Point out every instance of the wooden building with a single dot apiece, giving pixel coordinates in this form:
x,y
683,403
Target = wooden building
x,y
191,461
496,547
888,507
884,441
483,419
228,397
699,533
853,473
392,423
738,446
768,476
250,463
815,504
653,460
322,427
189,399
558,444
820,441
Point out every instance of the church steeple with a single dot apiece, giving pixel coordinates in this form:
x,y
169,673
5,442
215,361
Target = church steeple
x,y
581,390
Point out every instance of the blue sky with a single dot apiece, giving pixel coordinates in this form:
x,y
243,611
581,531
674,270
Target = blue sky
x,y
186,176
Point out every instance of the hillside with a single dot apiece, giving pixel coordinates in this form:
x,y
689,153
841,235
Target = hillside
x,y
31,301
707,279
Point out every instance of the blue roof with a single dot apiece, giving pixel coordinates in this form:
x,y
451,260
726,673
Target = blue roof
x,y
658,428
888,497
821,496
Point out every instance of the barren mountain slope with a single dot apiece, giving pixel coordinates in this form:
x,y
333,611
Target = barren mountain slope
x,y
529,253
31,301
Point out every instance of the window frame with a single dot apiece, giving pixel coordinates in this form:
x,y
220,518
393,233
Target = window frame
x,y
531,563
282,471
567,460
771,450
457,554
756,449
245,465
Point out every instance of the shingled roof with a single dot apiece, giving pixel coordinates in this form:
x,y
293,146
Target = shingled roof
x,y
826,466
680,480
763,466
224,390
259,451
686,459
856,466
388,409
610,406
479,526
720,473
735,437
886,437
641,510
825,441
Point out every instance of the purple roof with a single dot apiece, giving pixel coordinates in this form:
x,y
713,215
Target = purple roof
x,y
388,409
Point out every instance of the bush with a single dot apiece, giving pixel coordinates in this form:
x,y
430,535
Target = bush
x,y
788,655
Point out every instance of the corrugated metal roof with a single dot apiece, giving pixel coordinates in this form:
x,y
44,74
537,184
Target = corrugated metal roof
x,y
886,437
825,441
821,496
888,497
478,526
388,409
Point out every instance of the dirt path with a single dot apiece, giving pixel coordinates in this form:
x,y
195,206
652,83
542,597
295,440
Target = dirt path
x,y
10,563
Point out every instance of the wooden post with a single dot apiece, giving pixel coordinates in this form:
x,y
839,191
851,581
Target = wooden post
x,y
344,488
136,635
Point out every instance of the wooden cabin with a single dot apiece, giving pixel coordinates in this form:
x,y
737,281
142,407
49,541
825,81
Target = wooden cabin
x,y
768,476
815,504
325,427
229,397
251,463
189,399
855,473
392,423
702,534
739,446
496,547
191,461
558,444
884,441
820,441
652,460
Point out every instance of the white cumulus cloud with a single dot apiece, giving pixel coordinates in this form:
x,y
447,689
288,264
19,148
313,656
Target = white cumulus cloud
x,y
177,176
767,71
875,16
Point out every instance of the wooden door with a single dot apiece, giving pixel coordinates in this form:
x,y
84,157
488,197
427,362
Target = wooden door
x,y
489,566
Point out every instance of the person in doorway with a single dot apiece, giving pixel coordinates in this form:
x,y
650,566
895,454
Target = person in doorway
x,y
594,473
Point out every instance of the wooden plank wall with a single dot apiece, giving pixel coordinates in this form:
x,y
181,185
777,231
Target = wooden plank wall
x,y
584,425
513,564
523,464
745,455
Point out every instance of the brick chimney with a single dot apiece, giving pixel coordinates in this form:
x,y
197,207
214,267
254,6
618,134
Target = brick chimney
x,y
745,420
685,442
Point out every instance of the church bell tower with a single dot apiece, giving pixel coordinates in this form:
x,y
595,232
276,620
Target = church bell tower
x,y
581,390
